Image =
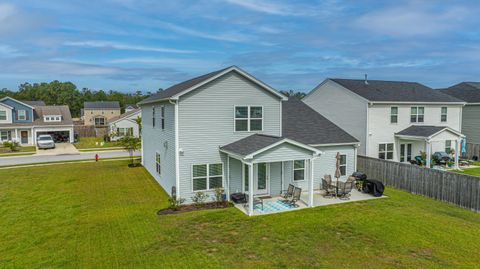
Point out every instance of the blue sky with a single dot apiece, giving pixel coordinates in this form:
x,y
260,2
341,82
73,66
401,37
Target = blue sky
x,y
139,44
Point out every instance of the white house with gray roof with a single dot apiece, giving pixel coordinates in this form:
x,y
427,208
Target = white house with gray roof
x,y
228,129
393,120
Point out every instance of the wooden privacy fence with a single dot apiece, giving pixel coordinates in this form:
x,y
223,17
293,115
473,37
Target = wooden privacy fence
x,y
473,150
461,190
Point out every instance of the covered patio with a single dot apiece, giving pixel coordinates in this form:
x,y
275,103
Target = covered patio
x,y
273,205
429,139
259,166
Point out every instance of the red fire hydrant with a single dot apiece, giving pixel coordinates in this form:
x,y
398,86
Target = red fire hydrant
x,y
96,157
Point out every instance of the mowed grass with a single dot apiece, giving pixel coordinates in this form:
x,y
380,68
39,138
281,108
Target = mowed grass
x,y
94,142
103,215
4,150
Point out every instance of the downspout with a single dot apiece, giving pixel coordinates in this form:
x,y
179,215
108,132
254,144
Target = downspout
x,y
177,157
367,138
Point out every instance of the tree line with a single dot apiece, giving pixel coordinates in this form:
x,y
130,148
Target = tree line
x,y
66,93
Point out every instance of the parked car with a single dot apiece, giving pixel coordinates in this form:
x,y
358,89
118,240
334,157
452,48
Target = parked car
x,y
441,157
45,142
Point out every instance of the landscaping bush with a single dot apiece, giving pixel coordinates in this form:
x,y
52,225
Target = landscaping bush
x,y
218,198
199,199
175,203
12,145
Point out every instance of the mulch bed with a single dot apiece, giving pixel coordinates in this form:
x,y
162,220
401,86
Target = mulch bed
x,y
188,208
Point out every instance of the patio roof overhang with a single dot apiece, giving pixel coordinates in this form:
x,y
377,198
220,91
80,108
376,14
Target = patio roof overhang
x,y
426,133
262,148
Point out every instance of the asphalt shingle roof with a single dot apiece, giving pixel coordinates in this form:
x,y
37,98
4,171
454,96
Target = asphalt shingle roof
x,y
466,91
421,130
180,87
40,111
124,115
394,91
303,124
300,123
33,103
251,144
101,104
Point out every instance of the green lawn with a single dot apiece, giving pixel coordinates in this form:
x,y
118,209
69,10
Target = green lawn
x,y
89,142
29,149
103,215
469,171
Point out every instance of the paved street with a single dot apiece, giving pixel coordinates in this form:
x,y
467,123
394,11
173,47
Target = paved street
x,y
49,158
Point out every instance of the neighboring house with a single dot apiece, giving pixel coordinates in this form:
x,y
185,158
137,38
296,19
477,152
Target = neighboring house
x,y
130,107
100,113
125,124
393,120
469,92
24,121
228,129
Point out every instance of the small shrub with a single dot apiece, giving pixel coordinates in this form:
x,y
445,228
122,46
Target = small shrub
x,y
218,198
175,203
12,145
199,199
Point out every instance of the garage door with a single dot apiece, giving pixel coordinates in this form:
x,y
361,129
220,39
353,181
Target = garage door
x,y
58,136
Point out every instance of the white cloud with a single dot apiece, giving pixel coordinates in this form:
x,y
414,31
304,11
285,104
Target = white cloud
x,y
224,36
263,6
122,46
7,51
412,20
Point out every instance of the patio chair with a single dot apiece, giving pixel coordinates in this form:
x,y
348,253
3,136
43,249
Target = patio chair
x,y
256,201
328,188
297,192
345,189
289,192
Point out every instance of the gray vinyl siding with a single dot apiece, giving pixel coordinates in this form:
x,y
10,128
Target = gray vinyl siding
x,y
161,141
206,121
343,108
275,178
324,165
283,152
235,176
471,123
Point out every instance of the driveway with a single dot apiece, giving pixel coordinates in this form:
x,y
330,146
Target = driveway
x,y
60,149
58,158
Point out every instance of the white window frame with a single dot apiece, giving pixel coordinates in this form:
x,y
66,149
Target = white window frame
x,y
207,176
162,117
95,121
8,135
124,131
386,151
393,115
248,118
343,165
23,114
297,169
443,114
448,146
417,114
52,118
4,111
158,163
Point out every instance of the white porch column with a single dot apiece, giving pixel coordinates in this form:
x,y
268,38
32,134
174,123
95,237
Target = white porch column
x,y
250,189
227,189
310,184
16,136
428,150
457,149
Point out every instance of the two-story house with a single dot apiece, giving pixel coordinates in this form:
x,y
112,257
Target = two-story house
x,y
393,120
24,121
228,129
468,92
99,113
